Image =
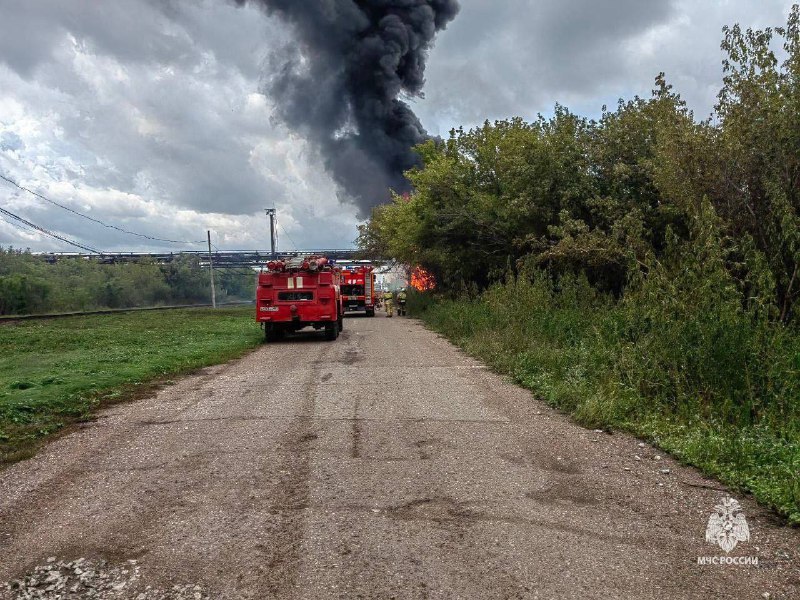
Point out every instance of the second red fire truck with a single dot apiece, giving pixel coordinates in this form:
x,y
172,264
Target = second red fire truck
x,y
298,293
358,288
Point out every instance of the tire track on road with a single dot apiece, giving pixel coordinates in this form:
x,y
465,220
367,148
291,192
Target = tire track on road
x,y
291,499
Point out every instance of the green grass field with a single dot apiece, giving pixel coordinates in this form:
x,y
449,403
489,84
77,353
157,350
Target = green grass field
x,y
57,372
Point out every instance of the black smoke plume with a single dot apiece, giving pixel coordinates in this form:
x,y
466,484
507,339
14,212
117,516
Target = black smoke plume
x,y
341,85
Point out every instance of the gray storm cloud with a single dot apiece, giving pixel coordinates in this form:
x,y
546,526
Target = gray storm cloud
x,y
341,86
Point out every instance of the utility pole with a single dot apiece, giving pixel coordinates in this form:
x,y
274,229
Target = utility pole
x,y
271,214
211,271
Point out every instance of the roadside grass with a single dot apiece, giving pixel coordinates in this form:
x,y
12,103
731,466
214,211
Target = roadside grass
x,y
596,360
57,372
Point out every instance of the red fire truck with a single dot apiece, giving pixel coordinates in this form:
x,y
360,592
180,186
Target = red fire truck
x,y
358,288
298,293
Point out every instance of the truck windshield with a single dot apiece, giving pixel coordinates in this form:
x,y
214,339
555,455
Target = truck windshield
x,y
295,296
352,290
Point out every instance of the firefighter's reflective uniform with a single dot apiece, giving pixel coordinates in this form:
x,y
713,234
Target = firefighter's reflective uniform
x,y
388,302
401,302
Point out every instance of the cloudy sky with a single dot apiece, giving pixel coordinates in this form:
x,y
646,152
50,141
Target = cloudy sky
x,y
147,114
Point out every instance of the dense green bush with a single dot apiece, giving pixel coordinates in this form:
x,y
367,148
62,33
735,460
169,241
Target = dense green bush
x,y
21,294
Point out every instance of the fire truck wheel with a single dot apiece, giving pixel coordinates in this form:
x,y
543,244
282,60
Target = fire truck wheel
x,y
331,331
370,312
340,323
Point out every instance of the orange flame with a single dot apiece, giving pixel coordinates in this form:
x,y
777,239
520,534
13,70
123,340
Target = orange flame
x,y
422,280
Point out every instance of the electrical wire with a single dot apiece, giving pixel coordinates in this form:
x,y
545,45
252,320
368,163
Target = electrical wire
x,y
48,232
16,225
288,236
98,221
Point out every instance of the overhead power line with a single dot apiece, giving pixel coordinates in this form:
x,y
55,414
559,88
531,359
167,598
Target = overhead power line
x,y
48,232
287,235
98,221
16,225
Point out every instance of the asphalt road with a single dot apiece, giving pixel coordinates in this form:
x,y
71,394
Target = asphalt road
x,y
385,464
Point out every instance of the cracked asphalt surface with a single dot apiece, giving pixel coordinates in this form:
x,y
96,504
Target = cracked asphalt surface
x,y
385,464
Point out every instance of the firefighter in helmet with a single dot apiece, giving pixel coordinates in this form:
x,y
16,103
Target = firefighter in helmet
x,y
401,302
388,301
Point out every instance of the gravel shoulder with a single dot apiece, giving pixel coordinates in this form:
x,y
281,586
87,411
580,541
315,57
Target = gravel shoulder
x,y
386,464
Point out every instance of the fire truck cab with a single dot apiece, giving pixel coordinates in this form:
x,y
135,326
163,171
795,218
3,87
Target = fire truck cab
x,y
298,293
358,288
